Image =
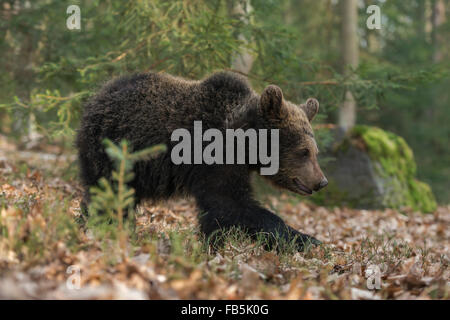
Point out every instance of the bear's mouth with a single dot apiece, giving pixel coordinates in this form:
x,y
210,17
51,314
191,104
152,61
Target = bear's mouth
x,y
302,187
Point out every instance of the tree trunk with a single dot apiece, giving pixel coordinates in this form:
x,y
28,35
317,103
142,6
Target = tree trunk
x,y
350,58
438,46
438,19
421,18
244,60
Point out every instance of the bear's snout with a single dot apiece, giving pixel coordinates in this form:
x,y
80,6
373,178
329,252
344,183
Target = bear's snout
x,y
322,184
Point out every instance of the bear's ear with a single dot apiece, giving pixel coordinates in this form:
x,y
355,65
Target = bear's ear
x,y
272,101
311,107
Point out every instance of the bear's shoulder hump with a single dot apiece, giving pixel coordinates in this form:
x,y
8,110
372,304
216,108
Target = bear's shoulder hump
x,y
227,81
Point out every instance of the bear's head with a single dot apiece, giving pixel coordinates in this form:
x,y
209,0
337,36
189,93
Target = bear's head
x,y
299,170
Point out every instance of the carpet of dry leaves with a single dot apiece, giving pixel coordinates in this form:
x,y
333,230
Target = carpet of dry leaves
x,y
44,254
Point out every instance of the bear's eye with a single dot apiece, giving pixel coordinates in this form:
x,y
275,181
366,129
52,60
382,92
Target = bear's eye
x,y
304,153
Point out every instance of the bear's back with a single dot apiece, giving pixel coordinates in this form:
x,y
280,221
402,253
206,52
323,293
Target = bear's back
x,y
150,106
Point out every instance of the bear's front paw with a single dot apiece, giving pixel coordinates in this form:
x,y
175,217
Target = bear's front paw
x,y
304,241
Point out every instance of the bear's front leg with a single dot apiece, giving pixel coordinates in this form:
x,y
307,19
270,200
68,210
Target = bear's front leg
x,y
255,220
225,200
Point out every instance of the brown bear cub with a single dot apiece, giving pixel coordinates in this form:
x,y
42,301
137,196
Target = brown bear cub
x,y
146,108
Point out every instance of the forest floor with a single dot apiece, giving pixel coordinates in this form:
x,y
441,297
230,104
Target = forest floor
x,y
45,254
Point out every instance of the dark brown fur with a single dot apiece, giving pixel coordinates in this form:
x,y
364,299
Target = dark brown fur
x,y
145,108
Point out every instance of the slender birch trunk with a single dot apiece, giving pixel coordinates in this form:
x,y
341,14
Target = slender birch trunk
x,y
243,61
350,58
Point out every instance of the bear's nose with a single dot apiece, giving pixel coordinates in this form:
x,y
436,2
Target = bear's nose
x,y
322,184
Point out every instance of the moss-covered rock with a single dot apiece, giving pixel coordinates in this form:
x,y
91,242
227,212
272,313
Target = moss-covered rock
x,y
375,169
392,151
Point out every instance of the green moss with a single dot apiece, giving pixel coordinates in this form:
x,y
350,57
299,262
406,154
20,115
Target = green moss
x,y
392,151
421,195
396,161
